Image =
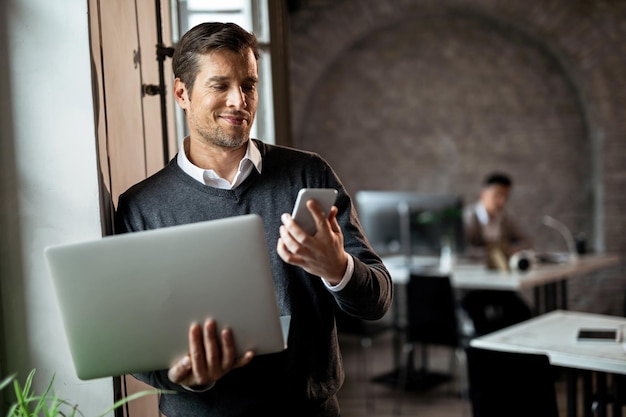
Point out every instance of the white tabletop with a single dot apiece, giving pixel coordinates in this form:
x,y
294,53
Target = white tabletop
x,y
477,276
554,334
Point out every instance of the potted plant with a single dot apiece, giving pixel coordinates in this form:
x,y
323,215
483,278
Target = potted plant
x,y
30,404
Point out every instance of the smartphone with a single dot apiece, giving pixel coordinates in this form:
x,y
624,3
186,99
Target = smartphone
x,y
599,335
325,198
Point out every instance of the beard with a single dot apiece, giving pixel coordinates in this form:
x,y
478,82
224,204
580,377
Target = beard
x,y
216,134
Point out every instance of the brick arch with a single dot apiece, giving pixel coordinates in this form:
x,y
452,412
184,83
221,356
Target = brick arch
x,y
562,32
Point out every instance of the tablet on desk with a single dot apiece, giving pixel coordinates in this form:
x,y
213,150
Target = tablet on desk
x,y
601,335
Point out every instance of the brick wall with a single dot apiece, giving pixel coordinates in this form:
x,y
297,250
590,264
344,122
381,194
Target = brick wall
x,y
429,96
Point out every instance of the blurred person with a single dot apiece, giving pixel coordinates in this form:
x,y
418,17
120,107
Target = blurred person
x,y
488,225
492,234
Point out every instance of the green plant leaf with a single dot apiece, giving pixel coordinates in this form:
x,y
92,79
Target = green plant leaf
x,y
29,383
13,411
44,397
50,405
20,395
6,381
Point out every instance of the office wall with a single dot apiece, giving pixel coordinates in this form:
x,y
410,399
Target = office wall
x,y
429,96
48,184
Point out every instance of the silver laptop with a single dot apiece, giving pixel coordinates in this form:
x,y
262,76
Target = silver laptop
x,y
127,301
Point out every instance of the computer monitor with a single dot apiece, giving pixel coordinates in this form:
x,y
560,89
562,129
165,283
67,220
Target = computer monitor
x,y
411,223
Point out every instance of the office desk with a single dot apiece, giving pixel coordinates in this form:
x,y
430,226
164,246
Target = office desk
x,y
547,280
554,334
477,277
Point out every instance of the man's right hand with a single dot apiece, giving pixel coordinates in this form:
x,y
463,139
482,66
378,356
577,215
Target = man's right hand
x,y
210,357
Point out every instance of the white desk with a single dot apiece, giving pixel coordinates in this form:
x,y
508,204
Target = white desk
x,y
477,276
554,334
466,276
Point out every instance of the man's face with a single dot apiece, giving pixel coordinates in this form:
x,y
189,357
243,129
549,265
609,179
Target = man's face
x,y
494,198
223,102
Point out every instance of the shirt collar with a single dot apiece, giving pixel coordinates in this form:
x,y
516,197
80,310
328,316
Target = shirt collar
x,y
481,213
252,155
484,218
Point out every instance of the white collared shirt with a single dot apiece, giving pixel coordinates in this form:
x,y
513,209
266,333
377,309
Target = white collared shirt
x,y
252,158
491,226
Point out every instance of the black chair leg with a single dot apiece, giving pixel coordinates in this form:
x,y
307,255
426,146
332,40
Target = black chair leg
x,y
587,394
404,373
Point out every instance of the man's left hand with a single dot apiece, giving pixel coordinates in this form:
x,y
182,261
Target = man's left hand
x,y
321,254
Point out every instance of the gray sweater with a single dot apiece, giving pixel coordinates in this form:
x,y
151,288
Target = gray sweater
x,y
304,379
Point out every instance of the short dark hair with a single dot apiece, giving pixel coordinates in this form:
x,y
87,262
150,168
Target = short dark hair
x,y
204,38
498,178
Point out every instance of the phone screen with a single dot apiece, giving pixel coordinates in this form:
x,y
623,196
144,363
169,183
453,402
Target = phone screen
x,y
324,196
598,334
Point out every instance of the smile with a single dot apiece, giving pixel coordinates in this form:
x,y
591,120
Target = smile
x,y
234,120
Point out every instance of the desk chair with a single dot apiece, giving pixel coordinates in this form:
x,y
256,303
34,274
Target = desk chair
x,y
366,331
491,310
510,384
431,319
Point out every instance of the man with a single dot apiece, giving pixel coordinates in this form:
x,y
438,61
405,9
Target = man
x,y
490,232
222,172
487,223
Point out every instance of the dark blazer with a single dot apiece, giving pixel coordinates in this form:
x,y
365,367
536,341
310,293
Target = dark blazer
x,y
512,235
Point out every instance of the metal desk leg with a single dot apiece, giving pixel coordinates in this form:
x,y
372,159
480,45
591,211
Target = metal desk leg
x,y
537,299
550,296
587,394
563,294
618,394
572,392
